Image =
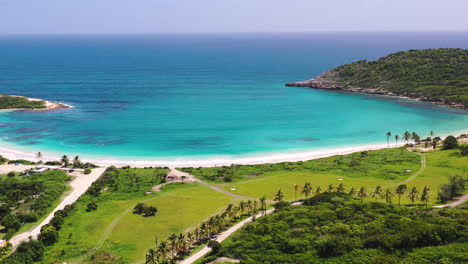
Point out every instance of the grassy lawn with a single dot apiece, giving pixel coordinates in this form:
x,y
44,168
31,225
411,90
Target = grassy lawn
x,y
179,208
370,172
439,166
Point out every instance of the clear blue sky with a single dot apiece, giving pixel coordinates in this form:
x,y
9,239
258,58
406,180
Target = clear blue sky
x,y
145,16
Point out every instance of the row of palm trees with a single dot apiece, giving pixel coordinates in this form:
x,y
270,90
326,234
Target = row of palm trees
x,y
407,137
180,244
307,190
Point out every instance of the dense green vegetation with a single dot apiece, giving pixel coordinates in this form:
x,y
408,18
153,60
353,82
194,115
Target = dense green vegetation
x,y
25,199
336,228
10,102
439,75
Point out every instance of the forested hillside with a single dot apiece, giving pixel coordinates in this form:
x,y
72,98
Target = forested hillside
x,y
437,75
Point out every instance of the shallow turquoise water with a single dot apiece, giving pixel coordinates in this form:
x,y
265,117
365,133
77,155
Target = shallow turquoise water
x,y
204,96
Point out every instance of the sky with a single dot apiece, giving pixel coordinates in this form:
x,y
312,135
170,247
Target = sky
x,y
174,16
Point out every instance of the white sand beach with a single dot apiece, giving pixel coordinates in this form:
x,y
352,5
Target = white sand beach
x,y
10,153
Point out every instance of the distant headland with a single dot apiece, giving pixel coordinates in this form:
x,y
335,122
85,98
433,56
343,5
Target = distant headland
x,y
439,76
15,102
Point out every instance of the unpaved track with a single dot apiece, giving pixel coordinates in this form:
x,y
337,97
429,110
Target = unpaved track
x,y
416,174
462,199
79,186
212,186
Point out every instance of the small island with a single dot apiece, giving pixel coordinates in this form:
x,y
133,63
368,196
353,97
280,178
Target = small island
x,y
14,102
439,76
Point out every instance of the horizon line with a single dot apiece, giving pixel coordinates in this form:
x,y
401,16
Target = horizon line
x,y
228,32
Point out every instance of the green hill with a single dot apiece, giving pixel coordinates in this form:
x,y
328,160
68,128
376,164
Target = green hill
x,y
436,75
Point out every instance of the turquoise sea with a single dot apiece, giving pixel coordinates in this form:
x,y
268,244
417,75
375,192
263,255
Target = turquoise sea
x,y
185,96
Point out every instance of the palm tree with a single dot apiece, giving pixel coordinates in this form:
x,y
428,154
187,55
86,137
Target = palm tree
x,y
396,140
151,257
279,196
388,195
296,188
307,189
163,250
65,161
341,188
377,192
362,193
413,195
173,244
389,134
406,136
242,206
318,190
263,204
330,188
76,162
352,192
425,195
400,190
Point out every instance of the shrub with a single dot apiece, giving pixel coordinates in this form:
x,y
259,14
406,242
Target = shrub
x,y
48,235
145,210
91,206
450,142
463,150
87,171
214,245
11,222
11,174
21,161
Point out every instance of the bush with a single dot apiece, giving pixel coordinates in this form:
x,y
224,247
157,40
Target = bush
x,y
11,222
48,235
214,245
450,142
21,161
463,150
53,163
3,160
11,174
87,171
91,206
145,210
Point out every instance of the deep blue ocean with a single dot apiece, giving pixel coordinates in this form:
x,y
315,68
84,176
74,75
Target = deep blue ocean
x,y
205,95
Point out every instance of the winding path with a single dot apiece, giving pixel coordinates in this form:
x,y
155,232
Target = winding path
x,y
416,174
178,173
79,186
461,200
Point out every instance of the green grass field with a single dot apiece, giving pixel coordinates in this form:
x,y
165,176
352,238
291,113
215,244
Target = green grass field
x,y
439,166
125,237
112,234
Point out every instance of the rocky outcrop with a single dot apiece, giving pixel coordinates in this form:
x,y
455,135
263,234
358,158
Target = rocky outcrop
x,y
325,82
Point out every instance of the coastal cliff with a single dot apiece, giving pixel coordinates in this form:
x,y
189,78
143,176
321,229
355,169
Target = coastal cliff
x,y
439,76
15,102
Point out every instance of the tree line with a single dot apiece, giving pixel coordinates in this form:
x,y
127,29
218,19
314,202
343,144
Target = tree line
x,y
180,244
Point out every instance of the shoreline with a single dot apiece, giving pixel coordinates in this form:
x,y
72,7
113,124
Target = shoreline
x,y
320,83
13,154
